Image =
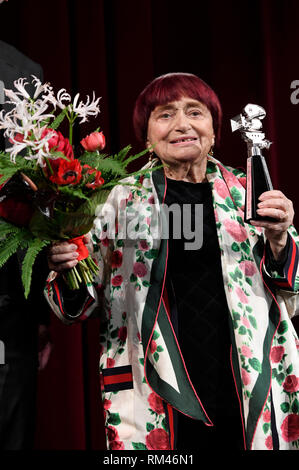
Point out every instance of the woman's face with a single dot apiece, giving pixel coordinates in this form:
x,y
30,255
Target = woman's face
x,y
181,131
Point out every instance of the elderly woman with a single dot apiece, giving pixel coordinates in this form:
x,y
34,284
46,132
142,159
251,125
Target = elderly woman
x,y
198,350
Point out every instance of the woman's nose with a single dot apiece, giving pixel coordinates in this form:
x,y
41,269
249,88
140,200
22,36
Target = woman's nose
x,y
182,122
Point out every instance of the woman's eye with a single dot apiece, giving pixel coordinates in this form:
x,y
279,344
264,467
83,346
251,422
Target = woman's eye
x,y
165,115
195,112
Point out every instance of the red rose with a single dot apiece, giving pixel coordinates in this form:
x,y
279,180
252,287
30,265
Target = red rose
x,y
291,384
105,241
246,379
116,445
94,141
110,362
117,280
246,322
116,259
235,230
248,268
242,296
58,143
98,180
139,269
143,245
157,439
107,404
246,351
155,403
290,428
243,181
68,172
267,416
153,346
122,333
221,188
277,353
17,138
269,443
112,433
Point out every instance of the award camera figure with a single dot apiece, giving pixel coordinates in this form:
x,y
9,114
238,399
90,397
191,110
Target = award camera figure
x,y
258,178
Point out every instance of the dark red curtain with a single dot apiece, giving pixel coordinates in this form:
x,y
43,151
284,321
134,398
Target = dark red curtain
x,y
247,52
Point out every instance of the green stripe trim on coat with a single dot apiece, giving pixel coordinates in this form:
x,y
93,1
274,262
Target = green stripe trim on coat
x,y
261,388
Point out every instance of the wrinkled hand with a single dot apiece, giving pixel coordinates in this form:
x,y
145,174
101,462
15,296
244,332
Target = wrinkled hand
x,y
276,205
63,255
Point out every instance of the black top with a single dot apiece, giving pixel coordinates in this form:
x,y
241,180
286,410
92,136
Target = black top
x,y
202,311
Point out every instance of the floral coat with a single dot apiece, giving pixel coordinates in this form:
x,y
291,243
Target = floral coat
x,y
142,369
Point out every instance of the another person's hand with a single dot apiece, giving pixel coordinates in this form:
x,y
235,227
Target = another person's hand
x,y
276,205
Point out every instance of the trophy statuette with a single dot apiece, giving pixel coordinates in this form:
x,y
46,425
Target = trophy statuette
x,y
258,178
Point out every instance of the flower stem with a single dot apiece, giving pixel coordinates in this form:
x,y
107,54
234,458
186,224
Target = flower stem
x,y
81,274
49,165
71,123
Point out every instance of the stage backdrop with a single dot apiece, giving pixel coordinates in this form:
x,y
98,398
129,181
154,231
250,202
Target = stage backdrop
x,y
247,51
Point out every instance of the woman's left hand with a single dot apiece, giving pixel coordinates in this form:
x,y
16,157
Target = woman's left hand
x,y
276,205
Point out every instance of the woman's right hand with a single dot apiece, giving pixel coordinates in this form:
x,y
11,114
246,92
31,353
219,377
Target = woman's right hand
x,y
62,256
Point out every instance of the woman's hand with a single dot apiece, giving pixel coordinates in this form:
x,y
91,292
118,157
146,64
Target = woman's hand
x,y
62,256
275,204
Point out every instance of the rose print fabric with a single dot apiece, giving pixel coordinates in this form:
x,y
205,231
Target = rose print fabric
x,y
141,365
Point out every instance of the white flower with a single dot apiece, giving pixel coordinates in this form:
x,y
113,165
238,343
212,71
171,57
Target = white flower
x,y
13,96
41,87
29,117
83,110
62,96
20,86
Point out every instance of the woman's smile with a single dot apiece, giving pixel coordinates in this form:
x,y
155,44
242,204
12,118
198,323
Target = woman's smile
x,y
184,140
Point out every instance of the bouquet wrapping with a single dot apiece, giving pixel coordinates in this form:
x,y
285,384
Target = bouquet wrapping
x,y
47,194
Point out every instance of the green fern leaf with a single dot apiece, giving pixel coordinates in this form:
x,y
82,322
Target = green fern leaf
x,y
9,168
10,244
6,228
58,120
134,157
7,173
72,192
121,156
33,249
107,165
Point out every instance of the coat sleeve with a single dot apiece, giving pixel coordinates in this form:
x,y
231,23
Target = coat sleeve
x,y
77,305
284,276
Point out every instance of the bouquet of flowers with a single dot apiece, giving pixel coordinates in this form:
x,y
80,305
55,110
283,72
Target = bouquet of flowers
x,y
46,193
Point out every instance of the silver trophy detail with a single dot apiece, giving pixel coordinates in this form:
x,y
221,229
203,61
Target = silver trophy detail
x,y
258,178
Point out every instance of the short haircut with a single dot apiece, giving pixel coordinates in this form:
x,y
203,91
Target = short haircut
x,y
172,87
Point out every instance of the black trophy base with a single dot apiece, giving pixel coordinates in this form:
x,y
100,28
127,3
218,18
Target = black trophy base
x,y
258,182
